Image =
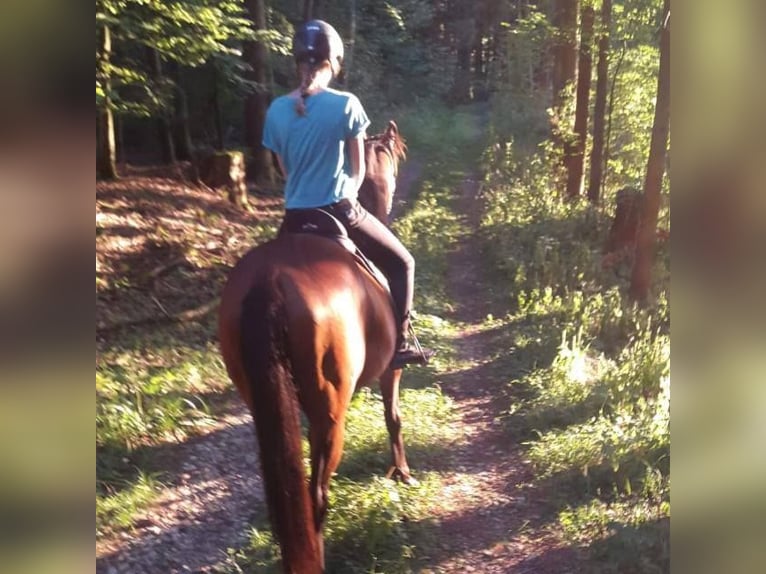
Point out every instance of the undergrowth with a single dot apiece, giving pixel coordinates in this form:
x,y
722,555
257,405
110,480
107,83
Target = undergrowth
x,y
592,403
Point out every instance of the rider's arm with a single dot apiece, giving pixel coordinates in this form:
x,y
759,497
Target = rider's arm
x,y
356,154
281,165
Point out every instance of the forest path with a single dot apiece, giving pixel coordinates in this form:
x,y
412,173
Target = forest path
x,y
211,492
491,519
486,517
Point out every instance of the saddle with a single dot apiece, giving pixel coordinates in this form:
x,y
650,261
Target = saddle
x,y
320,222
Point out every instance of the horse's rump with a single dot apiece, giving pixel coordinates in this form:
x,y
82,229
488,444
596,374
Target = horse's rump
x,y
333,308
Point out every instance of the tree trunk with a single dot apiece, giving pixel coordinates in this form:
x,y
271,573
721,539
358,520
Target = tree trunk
x,y
349,58
308,10
564,48
106,158
599,111
226,170
479,66
642,267
584,69
564,75
609,108
164,127
182,129
462,87
217,112
257,103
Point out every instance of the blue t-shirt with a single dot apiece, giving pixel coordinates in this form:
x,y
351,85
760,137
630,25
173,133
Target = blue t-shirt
x,y
313,146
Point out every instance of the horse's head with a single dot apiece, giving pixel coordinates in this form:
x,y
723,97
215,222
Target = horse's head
x,y
383,152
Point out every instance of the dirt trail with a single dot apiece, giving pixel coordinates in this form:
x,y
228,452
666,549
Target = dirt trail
x,y
489,521
212,493
493,521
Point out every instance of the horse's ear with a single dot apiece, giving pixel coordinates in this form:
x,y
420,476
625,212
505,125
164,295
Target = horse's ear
x,y
392,129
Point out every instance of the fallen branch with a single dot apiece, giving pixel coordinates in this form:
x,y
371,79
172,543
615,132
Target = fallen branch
x,y
165,267
179,317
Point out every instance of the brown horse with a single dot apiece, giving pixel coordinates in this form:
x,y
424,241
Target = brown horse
x,y
382,153
302,324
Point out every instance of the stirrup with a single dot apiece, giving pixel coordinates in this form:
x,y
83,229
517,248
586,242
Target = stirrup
x,y
407,355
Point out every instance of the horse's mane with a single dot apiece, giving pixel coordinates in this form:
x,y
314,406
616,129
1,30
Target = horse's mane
x,y
391,142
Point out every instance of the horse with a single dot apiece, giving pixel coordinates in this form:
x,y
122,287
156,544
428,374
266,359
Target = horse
x,y
383,152
301,326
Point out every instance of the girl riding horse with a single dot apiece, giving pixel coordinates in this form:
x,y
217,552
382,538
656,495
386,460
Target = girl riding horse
x,y
317,134
301,324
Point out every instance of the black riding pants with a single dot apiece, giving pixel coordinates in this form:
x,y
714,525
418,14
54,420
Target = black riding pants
x,y
384,249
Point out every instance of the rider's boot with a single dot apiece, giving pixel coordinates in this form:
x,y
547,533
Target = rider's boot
x,y
406,353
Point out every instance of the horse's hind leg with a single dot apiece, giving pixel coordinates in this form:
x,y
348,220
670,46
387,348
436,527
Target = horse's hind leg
x,y
389,386
326,433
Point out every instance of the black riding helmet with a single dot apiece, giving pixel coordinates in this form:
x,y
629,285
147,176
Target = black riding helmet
x,y
316,41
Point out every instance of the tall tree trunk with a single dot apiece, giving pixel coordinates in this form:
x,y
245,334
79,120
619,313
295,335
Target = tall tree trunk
x,y
308,10
181,127
642,267
217,112
599,111
348,61
609,108
479,77
106,156
462,87
463,25
564,74
584,72
564,48
257,103
164,127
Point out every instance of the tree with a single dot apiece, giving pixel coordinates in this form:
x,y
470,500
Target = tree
x,y
464,41
129,79
308,10
642,266
599,110
106,158
564,73
576,150
160,86
564,49
257,102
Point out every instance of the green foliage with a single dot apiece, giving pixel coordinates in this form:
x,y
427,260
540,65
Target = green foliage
x,y
632,114
593,404
118,509
187,32
628,536
146,406
375,526
446,138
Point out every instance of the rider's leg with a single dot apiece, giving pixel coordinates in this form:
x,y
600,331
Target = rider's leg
x,y
391,256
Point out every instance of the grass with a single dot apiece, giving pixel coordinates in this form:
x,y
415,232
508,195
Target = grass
x,y
117,510
374,524
592,401
144,398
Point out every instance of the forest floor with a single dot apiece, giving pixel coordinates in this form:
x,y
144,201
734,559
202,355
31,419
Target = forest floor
x,y
163,247
495,520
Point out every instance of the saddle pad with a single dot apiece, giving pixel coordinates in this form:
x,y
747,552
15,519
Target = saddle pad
x,y
325,224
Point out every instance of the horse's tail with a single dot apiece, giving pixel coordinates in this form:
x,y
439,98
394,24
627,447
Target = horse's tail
x,y
266,363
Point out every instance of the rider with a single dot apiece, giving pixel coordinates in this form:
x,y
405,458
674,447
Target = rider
x,y
317,134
